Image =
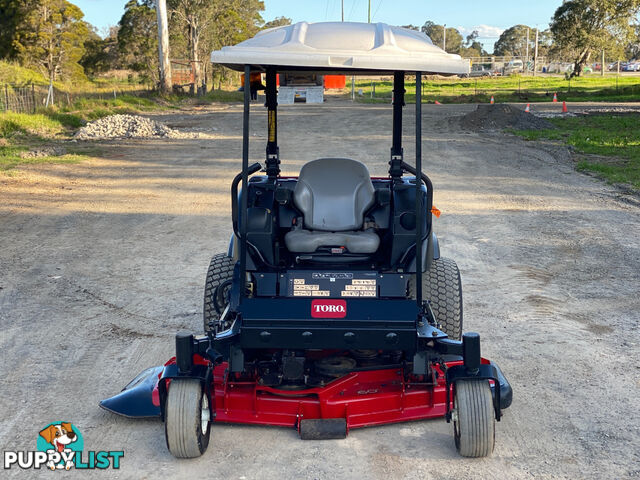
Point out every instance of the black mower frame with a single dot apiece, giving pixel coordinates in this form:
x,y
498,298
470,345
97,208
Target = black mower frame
x,y
422,335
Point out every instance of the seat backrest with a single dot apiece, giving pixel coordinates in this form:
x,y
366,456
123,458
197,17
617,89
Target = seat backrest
x,y
333,194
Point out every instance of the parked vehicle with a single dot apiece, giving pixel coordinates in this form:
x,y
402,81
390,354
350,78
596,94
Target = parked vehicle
x,y
514,66
480,71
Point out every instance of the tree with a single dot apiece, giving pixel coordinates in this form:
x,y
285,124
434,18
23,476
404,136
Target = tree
x,y
195,16
473,48
583,27
197,27
513,42
206,22
138,38
545,42
101,55
277,22
13,14
55,39
435,33
632,51
234,21
472,37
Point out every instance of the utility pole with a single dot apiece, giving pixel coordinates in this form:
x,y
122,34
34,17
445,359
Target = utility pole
x,y
535,55
163,46
342,10
602,64
444,37
369,13
527,54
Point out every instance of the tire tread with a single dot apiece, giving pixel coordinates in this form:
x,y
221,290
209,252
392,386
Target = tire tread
x,y
441,285
220,270
474,404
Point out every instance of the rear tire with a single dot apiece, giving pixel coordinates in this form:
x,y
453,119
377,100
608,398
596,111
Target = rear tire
x,y
187,418
474,418
441,285
220,271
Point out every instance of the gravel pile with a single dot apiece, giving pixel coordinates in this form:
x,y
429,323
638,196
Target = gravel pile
x,y
601,110
44,152
501,116
124,126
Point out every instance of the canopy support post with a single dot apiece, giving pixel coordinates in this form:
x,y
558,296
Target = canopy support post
x,y
395,168
272,163
420,213
245,175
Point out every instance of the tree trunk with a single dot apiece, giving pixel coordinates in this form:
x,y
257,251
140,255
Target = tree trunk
x,y
581,61
164,64
194,45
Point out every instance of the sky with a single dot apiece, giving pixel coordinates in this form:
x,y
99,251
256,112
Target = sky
x,y
490,18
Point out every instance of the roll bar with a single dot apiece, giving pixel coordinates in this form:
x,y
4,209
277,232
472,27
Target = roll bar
x,y
245,176
272,162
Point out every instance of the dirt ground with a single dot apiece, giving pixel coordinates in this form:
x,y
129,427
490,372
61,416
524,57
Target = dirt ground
x,y
102,262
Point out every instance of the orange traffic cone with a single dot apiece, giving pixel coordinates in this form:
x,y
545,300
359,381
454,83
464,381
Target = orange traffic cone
x,y
437,102
492,100
527,108
555,98
564,107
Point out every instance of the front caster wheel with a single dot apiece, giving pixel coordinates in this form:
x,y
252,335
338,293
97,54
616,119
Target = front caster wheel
x,y
474,418
187,418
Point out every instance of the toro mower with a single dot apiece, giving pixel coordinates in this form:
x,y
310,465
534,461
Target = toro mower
x,y
332,308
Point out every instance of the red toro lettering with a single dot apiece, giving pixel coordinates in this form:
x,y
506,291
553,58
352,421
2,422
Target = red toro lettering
x,y
328,308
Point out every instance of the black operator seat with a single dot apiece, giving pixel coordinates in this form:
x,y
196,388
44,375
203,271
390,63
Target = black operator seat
x,y
333,195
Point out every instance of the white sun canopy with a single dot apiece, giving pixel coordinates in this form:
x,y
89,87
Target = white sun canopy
x,y
341,47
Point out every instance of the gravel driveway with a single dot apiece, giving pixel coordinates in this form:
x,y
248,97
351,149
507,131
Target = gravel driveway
x,y
102,262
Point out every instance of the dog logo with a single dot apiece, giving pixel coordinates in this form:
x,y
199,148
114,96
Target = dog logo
x,y
328,308
61,438
60,447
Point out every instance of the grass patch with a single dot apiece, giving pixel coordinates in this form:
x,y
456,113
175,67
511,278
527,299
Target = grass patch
x,y
84,110
611,143
224,96
19,132
14,125
513,88
10,158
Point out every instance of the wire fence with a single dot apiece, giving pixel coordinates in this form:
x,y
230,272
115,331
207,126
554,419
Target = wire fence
x,y
18,98
28,98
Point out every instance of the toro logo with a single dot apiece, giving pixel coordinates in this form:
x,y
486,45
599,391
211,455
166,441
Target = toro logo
x,y
328,308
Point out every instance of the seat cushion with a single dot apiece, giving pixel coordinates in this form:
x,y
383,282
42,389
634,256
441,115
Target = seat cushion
x,y
333,194
306,241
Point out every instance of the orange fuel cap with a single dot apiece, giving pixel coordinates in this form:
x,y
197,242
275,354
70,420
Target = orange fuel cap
x,y
436,212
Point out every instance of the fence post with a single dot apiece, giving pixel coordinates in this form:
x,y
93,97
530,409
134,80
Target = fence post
x,y
6,97
33,97
49,95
